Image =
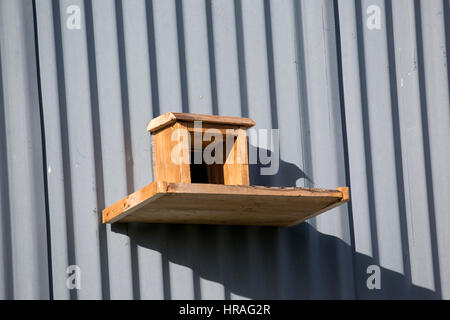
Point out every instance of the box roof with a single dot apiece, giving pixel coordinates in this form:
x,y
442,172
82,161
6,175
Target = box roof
x,y
169,118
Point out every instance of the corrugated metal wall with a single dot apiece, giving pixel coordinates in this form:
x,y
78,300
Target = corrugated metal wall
x,y
23,241
356,106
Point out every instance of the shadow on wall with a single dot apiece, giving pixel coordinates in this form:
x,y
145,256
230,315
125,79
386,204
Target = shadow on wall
x,y
268,262
287,175
277,272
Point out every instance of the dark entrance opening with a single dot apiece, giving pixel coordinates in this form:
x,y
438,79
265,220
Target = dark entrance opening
x,y
205,173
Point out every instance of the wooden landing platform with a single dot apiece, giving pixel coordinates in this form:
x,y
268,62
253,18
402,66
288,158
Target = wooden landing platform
x,y
163,202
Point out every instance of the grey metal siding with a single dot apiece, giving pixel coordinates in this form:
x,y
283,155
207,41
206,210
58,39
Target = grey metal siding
x,y
355,106
23,249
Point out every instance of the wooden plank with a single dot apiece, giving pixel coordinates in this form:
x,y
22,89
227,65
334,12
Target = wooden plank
x,y
344,199
134,201
171,117
202,188
164,168
162,202
235,169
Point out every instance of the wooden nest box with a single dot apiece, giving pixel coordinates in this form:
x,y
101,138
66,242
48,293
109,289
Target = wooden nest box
x,y
179,143
200,168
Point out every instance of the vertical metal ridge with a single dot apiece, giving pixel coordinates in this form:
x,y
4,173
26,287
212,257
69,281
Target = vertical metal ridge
x,y
5,197
64,137
152,58
182,56
241,58
397,141
427,149
128,152
98,159
300,65
212,57
366,126
44,153
344,136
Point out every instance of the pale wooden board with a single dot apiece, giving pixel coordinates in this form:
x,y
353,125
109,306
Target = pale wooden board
x,y
168,118
162,202
164,169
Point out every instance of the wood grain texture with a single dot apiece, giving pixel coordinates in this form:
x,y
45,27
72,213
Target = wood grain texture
x,y
171,117
134,201
164,167
162,202
235,168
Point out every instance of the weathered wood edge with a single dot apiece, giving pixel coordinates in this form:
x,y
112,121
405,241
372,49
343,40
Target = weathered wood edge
x,y
169,118
134,201
162,121
206,188
153,191
345,197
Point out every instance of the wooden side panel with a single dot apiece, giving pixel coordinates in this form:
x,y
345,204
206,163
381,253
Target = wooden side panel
x,y
235,168
171,154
